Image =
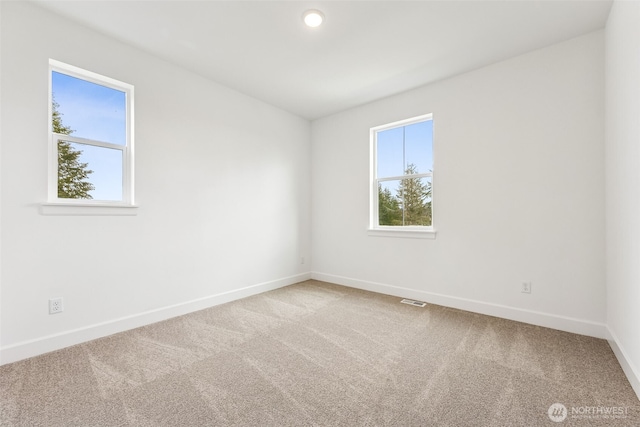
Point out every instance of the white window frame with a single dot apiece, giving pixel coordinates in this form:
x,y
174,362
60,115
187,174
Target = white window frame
x,y
62,206
410,231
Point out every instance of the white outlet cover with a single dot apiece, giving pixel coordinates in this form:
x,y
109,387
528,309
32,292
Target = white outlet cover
x,y
55,305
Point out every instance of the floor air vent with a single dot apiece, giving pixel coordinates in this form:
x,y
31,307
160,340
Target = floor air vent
x,y
414,302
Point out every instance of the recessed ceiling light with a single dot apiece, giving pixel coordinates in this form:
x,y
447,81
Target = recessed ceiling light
x,y
313,18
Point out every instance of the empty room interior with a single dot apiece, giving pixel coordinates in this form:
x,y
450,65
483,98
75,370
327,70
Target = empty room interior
x,y
224,232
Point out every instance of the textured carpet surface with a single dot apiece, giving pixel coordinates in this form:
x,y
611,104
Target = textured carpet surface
x,y
316,354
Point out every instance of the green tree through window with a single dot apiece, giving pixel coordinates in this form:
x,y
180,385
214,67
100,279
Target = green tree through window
x,y
411,205
414,196
73,175
388,207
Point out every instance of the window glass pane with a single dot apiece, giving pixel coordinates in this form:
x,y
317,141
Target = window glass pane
x,y
89,172
90,110
389,208
404,152
419,147
414,196
390,153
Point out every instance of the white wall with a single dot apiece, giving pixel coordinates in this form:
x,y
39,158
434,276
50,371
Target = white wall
x,y
518,192
222,181
623,184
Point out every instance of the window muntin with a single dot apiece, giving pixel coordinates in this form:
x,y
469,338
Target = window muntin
x,y
91,138
402,173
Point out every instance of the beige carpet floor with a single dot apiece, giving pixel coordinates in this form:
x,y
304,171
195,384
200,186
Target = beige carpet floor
x,y
316,354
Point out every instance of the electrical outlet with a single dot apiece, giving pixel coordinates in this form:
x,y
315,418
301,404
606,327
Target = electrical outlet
x,y
55,305
301,260
526,287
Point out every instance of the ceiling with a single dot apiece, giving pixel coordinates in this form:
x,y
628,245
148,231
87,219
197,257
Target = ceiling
x,y
365,50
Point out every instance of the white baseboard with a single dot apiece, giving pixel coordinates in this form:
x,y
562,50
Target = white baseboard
x,y
553,321
23,350
630,370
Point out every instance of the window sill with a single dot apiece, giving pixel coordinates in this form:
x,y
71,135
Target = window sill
x,y
410,233
83,209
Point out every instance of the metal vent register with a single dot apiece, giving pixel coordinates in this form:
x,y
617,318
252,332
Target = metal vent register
x,y
414,302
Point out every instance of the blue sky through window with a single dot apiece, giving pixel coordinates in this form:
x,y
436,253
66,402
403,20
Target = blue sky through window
x,y
399,147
